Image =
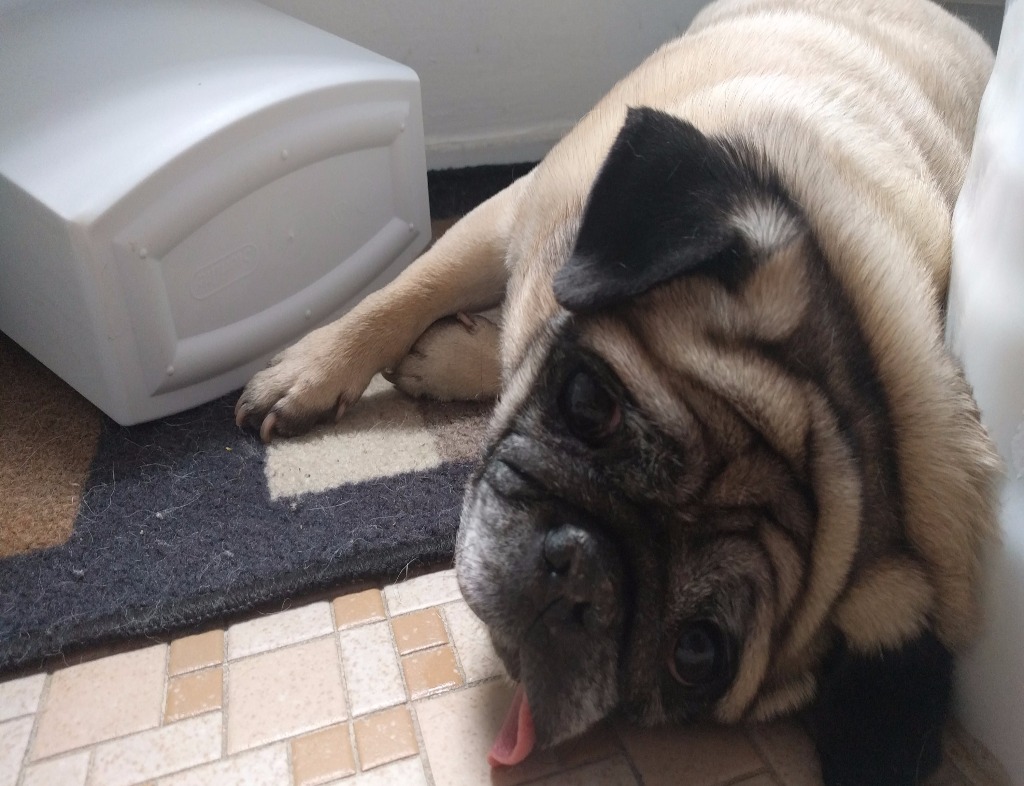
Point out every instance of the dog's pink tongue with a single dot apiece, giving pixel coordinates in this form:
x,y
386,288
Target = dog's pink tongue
x,y
517,737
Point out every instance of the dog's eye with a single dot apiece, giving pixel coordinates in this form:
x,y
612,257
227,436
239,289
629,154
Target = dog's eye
x,y
590,411
699,657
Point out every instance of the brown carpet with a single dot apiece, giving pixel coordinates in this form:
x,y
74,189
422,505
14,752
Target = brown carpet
x,y
48,436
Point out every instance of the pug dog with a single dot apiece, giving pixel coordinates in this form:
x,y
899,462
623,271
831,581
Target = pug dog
x,y
733,472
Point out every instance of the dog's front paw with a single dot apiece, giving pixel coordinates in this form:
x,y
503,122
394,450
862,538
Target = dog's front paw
x,y
456,359
309,383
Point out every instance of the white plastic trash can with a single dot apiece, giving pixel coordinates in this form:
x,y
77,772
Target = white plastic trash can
x,y
187,186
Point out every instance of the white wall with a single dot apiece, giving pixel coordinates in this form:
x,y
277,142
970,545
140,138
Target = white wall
x,y
504,79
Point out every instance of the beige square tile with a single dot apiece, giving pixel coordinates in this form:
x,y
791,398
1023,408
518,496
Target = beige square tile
x,y
431,671
280,629
264,767
157,752
458,729
709,755
283,693
194,693
419,630
322,755
20,697
196,652
787,749
100,700
358,608
613,772
65,771
382,435
385,737
472,643
432,589
407,772
14,736
372,674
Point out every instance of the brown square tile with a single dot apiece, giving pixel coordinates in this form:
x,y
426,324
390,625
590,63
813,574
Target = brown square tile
x,y
384,737
419,630
322,756
357,608
196,652
431,671
194,693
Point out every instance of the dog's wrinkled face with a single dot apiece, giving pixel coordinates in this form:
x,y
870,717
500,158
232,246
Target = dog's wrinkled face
x,y
670,507
570,550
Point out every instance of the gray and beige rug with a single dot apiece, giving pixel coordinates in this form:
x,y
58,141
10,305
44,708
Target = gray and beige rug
x,y
109,533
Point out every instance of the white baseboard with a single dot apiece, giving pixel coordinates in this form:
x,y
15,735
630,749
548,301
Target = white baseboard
x,y
505,146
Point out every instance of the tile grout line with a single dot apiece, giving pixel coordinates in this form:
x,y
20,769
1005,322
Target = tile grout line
x,y
224,695
167,686
349,710
26,760
740,779
225,660
410,707
225,754
290,645
624,750
288,759
443,613
759,750
421,744
89,747
579,768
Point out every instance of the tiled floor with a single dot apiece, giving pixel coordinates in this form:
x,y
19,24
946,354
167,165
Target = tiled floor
x,y
398,686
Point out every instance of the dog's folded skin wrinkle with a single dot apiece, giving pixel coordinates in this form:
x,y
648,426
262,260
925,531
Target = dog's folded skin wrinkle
x,y
744,249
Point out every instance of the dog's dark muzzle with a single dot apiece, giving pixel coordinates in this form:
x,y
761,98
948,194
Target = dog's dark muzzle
x,y
557,569
546,578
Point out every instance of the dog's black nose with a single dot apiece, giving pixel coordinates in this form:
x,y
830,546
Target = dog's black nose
x,y
563,549
578,593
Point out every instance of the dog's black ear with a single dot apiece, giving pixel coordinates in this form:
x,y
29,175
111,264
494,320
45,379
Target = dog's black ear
x,y
878,718
663,205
